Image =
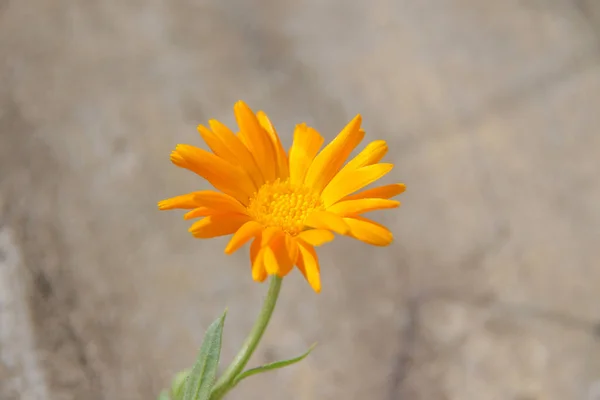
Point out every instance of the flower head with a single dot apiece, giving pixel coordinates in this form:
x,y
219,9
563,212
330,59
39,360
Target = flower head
x,y
286,203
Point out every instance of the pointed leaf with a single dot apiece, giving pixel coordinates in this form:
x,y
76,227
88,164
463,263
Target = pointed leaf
x,y
272,366
200,381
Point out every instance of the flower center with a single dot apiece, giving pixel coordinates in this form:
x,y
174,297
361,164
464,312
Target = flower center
x,y
283,205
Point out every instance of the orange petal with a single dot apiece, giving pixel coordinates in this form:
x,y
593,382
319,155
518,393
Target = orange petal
x,y
329,161
199,212
245,140
185,201
349,182
316,237
246,232
268,235
282,159
369,231
228,178
242,155
308,264
282,253
277,260
381,192
292,248
216,144
355,207
327,220
221,148
218,225
219,201
271,265
258,140
259,273
255,248
305,147
211,203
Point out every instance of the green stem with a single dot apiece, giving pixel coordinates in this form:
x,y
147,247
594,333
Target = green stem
x,y
225,382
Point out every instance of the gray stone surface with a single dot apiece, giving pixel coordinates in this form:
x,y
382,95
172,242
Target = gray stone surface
x,y
491,112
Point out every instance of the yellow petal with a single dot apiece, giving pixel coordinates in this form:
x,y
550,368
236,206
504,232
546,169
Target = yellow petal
x,y
381,192
282,159
308,264
199,212
371,154
316,237
369,231
218,225
327,220
228,178
305,147
353,180
355,207
242,155
246,232
258,140
185,201
329,161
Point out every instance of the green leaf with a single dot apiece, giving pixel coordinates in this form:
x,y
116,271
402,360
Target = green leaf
x,y
272,366
200,381
164,395
178,384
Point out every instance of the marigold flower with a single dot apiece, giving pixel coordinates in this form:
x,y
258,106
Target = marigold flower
x,y
288,203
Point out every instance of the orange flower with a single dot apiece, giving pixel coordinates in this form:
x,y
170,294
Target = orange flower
x,y
287,203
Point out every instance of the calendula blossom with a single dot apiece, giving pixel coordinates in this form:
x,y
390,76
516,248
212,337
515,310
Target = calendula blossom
x,y
286,203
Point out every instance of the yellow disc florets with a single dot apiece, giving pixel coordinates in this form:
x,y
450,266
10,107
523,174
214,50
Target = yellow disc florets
x,y
283,205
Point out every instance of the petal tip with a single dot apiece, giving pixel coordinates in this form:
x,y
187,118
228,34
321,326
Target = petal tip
x,y
202,129
240,105
316,287
175,156
165,205
384,241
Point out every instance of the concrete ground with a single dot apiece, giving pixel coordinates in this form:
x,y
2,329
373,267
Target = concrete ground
x,y
491,110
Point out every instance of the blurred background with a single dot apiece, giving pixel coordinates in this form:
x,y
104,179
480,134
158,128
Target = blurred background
x,y
491,110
